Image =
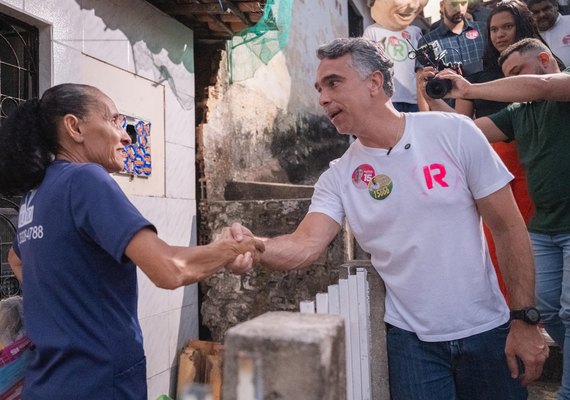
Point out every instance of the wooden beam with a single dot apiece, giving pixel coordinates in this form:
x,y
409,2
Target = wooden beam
x,y
218,22
236,11
210,8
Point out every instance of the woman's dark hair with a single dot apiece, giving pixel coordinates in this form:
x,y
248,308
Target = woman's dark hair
x,y
525,27
28,137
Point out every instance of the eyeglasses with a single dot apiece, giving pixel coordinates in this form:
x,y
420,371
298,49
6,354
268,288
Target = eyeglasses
x,y
120,121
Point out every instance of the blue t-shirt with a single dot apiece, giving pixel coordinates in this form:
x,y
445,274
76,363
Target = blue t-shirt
x,y
80,290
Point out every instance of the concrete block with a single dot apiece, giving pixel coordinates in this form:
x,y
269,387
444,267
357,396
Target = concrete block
x,y
287,356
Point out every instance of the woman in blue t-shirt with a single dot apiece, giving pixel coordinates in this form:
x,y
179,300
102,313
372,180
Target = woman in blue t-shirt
x,y
78,244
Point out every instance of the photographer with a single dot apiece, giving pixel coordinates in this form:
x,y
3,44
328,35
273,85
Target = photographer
x,y
463,40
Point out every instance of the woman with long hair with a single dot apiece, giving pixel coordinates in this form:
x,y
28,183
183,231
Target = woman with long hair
x,y
78,245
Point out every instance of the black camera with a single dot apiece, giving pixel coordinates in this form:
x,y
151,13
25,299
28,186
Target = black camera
x,y
436,88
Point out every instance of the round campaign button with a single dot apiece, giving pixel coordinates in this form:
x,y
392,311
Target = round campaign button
x,y
362,175
380,187
472,34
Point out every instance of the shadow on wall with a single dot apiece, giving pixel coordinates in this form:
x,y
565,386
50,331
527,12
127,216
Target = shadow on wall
x,y
305,150
156,45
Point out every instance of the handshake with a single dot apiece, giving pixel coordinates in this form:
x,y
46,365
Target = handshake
x,y
241,247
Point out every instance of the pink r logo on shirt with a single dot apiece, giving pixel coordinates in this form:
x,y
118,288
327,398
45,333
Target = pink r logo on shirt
x,y
430,176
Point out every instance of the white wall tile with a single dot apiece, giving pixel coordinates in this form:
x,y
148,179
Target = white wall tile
x,y
180,222
65,17
106,22
156,335
183,296
183,328
180,172
19,4
66,64
180,123
115,52
152,300
174,218
158,385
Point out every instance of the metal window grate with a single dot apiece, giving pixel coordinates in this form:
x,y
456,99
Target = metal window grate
x,y
18,82
18,63
9,285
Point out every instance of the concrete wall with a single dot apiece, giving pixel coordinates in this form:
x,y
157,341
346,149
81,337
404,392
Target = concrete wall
x,y
270,127
134,38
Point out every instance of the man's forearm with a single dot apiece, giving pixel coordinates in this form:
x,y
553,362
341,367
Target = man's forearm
x,y
555,87
286,253
517,266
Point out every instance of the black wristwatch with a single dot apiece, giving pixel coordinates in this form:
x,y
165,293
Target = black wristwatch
x,y
530,315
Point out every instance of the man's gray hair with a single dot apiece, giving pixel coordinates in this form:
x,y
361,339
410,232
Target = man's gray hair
x,y
368,56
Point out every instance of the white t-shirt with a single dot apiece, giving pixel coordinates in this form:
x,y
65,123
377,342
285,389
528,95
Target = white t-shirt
x,y
397,48
558,38
416,216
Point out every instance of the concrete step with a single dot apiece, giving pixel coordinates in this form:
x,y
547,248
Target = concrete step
x,y
249,190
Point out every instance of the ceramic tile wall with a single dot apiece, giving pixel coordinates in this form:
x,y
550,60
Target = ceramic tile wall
x,y
180,171
134,36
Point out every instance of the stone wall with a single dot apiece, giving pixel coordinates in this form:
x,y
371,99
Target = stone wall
x,y
230,299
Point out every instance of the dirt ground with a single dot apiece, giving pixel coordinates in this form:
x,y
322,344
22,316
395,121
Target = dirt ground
x,y
543,390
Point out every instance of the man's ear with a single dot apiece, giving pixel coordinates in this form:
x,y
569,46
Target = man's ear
x,y
376,83
544,58
70,124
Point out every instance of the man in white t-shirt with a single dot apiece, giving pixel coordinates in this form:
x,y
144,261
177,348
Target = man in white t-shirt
x,y
429,178
553,27
393,30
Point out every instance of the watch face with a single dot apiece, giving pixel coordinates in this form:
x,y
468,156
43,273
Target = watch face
x,y
533,315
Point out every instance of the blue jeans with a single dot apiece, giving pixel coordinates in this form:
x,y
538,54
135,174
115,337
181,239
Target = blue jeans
x,y
471,368
552,260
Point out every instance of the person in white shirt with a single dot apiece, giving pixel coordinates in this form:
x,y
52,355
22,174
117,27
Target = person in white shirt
x,y
393,30
554,27
431,178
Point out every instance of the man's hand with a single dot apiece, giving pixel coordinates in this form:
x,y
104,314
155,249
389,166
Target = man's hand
x,y
241,235
526,343
237,231
460,85
422,79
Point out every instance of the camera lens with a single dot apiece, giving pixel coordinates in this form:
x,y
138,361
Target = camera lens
x,y
437,88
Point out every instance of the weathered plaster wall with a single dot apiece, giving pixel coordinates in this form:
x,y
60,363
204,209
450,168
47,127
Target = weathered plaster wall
x,y
270,127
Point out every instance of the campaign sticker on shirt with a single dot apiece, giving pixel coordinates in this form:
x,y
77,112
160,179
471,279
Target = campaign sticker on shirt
x,y
362,175
406,35
472,34
566,40
380,187
393,41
